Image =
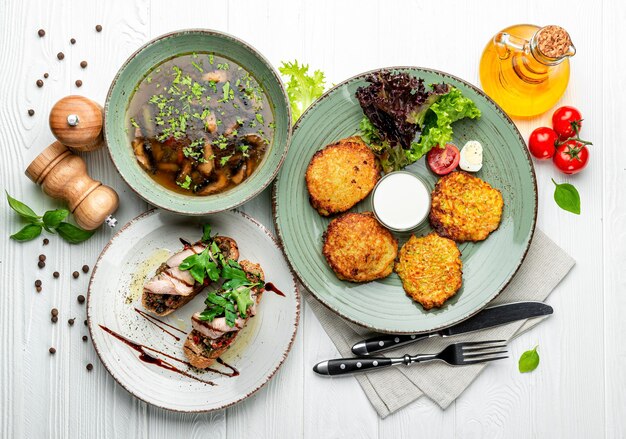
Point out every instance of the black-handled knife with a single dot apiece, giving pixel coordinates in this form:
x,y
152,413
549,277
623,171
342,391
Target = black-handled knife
x,y
487,318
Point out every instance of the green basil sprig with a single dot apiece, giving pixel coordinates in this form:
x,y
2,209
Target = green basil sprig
x,y
529,360
52,221
567,197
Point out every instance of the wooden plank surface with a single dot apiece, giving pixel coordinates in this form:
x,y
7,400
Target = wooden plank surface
x,y
577,392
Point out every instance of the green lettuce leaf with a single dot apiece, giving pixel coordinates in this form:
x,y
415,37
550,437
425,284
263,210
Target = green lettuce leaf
x,y
302,88
437,122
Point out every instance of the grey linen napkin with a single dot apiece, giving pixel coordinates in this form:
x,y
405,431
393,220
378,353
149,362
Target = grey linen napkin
x,y
391,389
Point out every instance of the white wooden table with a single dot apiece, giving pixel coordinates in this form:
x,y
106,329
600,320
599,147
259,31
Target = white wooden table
x,y
578,389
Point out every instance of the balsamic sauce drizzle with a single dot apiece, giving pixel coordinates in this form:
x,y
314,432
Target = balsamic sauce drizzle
x,y
271,287
156,322
147,357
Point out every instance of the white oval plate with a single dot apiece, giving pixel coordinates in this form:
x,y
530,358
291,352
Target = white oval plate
x,y
133,255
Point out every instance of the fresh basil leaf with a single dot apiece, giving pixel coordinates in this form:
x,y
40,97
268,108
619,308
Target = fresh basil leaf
x,y
197,272
216,299
243,299
529,361
200,266
206,233
230,314
22,209
212,271
231,272
567,197
210,313
73,234
28,232
52,218
233,284
188,262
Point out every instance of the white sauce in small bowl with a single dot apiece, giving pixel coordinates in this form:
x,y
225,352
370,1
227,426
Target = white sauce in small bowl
x,y
401,201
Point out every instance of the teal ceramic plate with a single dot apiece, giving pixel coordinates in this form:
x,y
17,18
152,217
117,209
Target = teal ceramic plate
x,y
382,305
166,47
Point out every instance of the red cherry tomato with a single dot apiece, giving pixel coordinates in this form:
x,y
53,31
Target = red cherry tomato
x,y
571,157
566,121
442,161
541,143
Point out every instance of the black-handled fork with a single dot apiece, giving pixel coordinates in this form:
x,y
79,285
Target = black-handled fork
x,y
457,354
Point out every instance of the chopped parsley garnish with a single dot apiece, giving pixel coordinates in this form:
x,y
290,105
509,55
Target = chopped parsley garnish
x,y
197,66
225,160
186,184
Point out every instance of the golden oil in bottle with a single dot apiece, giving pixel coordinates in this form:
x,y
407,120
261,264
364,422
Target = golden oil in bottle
x,y
525,68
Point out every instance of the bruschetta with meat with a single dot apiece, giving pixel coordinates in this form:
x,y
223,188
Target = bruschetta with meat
x,y
171,287
214,330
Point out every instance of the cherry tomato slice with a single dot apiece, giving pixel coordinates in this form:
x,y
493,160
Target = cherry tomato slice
x,y
442,161
541,143
566,121
571,157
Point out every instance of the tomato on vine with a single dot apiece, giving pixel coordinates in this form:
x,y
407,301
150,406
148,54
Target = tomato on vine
x,y
571,156
567,122
541,143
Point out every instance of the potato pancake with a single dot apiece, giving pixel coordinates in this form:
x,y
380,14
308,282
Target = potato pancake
x,y
430,269
465,208
358,248
340,175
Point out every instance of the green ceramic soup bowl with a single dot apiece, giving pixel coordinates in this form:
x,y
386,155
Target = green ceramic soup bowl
x,y
156,52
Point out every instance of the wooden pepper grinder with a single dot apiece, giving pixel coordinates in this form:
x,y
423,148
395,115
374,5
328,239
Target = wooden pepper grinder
x,y
77,123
